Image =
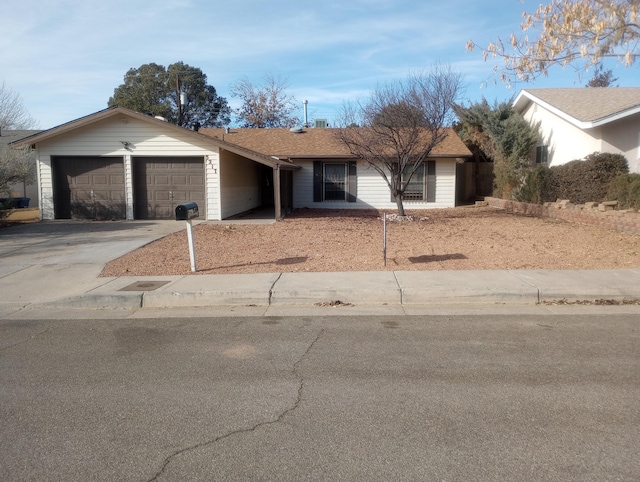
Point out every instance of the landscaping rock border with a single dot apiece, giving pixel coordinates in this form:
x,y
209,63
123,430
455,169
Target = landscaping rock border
x,y
596,214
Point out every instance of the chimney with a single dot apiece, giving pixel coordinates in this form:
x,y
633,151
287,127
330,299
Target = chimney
x,y
304,103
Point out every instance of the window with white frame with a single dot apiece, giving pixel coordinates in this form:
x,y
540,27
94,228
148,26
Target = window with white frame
x,y
422,185
415,188
334,181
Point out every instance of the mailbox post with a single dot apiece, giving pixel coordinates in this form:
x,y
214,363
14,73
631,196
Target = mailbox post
x,y
187,212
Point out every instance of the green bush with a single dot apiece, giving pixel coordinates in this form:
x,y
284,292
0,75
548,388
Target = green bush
x,y
538,186
587,180
626,190
582,181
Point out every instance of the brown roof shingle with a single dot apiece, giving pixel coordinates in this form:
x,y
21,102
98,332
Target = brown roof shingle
x,y
313,143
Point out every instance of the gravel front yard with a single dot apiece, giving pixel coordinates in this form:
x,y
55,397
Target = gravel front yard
x,y
464,238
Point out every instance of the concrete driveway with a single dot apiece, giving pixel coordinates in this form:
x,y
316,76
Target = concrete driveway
x,y
49,260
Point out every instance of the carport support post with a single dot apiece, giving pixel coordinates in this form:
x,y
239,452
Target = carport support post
x,y
192,251
276,192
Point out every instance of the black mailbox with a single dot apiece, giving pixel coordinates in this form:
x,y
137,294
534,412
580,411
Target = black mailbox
x,y
186,211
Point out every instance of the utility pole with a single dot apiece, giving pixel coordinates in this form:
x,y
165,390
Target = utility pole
x,y
179,94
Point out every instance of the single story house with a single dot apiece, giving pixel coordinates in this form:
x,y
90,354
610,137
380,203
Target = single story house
x,y
330,177
575,122
121,164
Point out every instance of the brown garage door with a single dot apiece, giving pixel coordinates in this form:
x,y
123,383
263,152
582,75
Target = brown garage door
x,y
89,188
160,184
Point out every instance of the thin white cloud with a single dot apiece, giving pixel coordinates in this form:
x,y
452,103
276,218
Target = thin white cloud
x,y
65,57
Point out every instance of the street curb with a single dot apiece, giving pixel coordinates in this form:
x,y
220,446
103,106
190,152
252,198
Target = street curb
x,y
124,301
358,287
424,287
402,288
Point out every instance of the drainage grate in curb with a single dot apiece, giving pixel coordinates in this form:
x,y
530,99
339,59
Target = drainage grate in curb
x,y
144,286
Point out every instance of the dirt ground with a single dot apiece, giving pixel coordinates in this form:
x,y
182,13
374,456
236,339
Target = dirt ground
x,y
464,238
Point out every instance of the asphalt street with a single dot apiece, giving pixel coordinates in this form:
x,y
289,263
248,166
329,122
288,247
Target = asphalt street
x,y
499,397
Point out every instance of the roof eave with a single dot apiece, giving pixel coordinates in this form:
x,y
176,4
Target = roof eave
x,y
614,117
525,97
116,110
306,157
271,161
96,117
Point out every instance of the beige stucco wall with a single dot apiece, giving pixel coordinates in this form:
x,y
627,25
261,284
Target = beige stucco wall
x,y
567,142
624,137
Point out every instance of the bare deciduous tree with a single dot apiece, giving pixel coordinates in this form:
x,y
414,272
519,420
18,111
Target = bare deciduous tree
x,y
564,32
16,165
265,106
397,127
13,115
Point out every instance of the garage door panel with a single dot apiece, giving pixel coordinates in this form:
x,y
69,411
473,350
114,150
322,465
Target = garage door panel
x,y
179,180
168,183
89,188
108,195
84,196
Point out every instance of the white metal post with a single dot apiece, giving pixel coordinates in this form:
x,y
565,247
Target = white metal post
x,y
384,238
192,251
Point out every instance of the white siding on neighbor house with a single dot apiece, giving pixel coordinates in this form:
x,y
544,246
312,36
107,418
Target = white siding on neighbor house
x,y
566,142
105,138
372,190
239,184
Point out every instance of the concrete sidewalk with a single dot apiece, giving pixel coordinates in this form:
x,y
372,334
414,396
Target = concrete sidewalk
x,y
358,288
57,265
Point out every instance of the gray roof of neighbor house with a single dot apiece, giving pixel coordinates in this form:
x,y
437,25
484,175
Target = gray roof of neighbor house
x,y
313,143
9,136
584,107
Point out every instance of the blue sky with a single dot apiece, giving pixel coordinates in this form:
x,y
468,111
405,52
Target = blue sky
x,y
65,57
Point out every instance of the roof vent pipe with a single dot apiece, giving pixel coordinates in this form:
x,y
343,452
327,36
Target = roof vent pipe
x,y
304,104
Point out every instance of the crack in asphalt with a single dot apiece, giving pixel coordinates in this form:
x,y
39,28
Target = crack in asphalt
x,y
26,340
284,413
